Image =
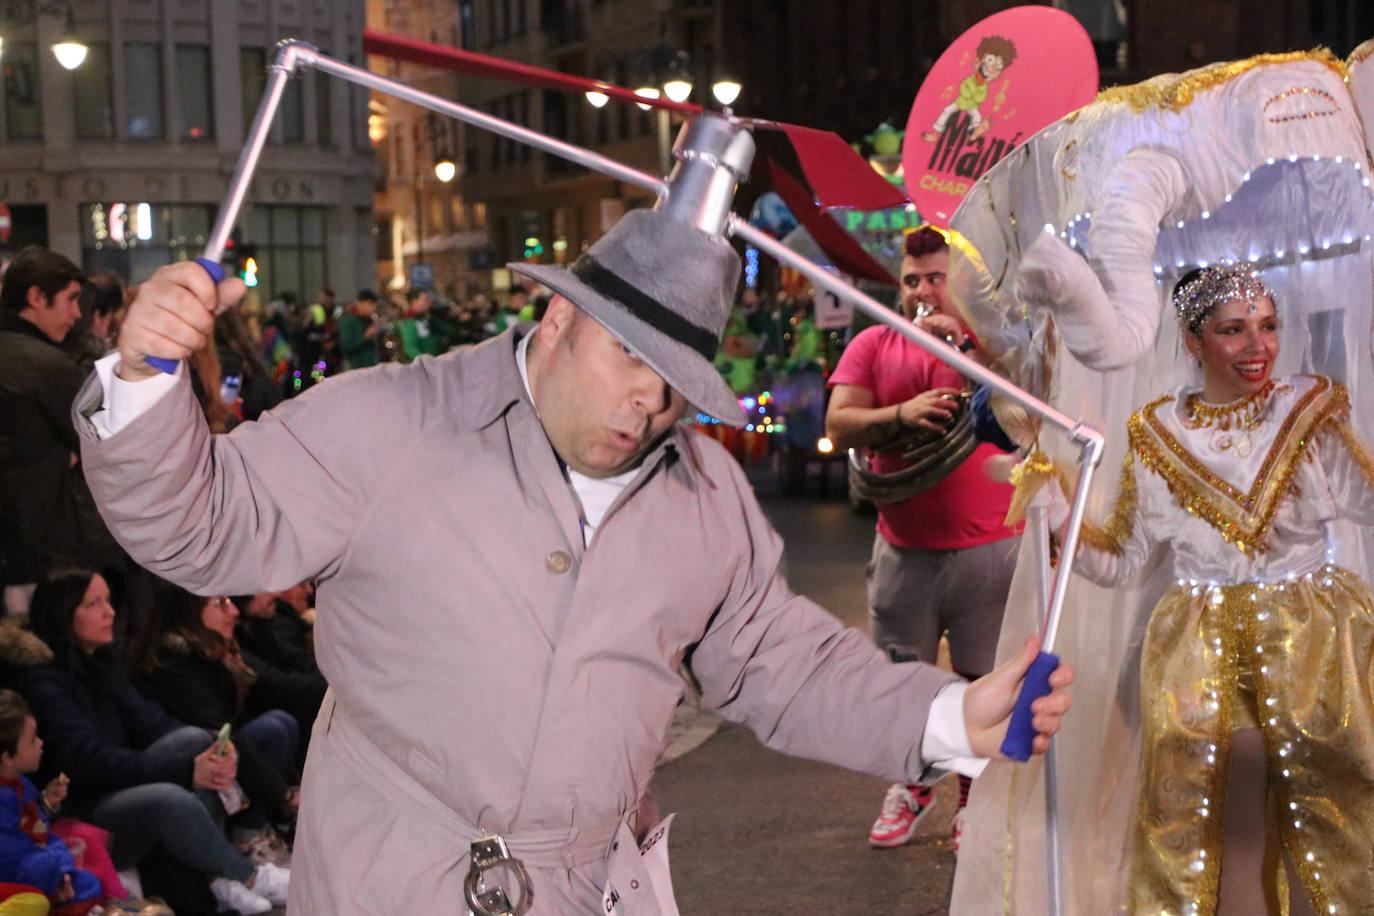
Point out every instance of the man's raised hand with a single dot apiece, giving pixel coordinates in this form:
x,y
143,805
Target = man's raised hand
x,y
172,316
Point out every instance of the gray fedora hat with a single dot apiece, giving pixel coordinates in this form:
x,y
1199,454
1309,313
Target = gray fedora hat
x,y
665,289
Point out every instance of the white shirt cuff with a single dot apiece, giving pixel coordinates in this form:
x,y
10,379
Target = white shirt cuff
x,y
945,743
125,401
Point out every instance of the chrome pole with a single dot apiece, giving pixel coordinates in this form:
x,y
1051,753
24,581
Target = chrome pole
x,y
1038,528
289,53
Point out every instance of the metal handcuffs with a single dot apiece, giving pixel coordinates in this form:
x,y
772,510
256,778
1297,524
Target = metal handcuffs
x,y
490,852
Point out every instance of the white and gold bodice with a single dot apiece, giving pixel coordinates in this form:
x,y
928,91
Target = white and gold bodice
x,y
1243,492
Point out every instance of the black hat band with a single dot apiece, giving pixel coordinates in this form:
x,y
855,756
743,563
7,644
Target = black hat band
x,y
644,307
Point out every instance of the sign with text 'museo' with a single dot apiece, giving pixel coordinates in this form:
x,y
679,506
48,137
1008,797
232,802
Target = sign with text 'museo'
x,y
1001,81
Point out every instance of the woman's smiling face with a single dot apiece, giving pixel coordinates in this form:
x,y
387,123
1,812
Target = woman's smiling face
x,y
1237,346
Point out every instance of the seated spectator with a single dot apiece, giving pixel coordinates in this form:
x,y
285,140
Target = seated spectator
x,y
293,628
193,670
136,771
30,853
287,677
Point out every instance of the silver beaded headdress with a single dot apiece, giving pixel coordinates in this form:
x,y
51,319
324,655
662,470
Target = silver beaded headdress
x,y
1203,290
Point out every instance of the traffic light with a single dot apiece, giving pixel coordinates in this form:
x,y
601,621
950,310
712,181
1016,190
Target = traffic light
x,y
533,247
248,265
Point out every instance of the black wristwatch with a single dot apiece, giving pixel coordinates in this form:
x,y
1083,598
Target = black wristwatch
x,y
967,345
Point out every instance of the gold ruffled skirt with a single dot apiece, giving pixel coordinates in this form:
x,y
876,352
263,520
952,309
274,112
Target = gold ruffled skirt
x,y
1293,658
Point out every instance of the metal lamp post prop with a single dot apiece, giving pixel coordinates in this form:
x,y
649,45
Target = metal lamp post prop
x,y
713,155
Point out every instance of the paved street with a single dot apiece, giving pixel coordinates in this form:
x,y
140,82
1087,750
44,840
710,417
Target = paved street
x,y
760,833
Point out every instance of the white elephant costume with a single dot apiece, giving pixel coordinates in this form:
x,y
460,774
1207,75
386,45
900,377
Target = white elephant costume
x,y
1074,243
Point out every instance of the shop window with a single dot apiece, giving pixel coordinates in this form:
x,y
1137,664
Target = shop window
x,y
135,238
290,245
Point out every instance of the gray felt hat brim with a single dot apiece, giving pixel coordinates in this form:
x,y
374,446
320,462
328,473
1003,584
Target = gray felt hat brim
x,y
687,272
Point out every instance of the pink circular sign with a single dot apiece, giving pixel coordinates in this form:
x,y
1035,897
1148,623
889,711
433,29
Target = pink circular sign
x,y
1001,81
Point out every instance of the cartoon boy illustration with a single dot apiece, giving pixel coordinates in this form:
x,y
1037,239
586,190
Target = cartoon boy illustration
x,y
994,55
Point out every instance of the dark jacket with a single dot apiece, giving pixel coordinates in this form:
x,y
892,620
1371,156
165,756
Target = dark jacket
x,y
92,719
298,690
47,515
284,641
200,690
195,688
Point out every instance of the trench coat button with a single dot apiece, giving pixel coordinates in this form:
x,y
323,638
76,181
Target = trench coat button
x,y
558,562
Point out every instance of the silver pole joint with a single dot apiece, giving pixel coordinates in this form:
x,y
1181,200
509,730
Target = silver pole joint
x,y
714,155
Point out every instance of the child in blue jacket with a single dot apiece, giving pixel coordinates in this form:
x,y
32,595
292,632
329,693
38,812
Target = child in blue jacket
x,y
29,852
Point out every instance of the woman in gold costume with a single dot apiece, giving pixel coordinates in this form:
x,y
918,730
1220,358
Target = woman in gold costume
x,y
1257,777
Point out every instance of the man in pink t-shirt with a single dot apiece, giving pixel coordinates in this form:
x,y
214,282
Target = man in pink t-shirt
x,y
942,559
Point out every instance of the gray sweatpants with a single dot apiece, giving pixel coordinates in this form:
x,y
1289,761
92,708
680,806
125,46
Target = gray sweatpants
x,y
916,596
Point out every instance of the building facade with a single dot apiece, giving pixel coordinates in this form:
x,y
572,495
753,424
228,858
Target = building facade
x,y
121,164
422,218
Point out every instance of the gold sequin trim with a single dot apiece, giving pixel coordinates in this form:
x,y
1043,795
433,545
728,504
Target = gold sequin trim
x,y
1241,518
1302,116
1174,92
1112,537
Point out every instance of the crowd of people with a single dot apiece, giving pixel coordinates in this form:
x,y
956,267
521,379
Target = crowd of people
x,y
304,343
168,735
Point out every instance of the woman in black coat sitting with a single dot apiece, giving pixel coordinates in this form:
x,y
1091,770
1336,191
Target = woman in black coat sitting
x,y
193,669
149,779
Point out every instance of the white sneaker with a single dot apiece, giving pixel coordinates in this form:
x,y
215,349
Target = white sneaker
x,y
272,882
238,897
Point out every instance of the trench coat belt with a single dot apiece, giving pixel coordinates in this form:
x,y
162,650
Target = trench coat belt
x,y
552,848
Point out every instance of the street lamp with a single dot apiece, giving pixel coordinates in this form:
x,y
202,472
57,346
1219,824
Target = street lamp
x,y
445,168
726,90
646,92
70,51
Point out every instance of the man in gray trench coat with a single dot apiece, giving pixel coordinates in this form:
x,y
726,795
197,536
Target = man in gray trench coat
x,y
516,545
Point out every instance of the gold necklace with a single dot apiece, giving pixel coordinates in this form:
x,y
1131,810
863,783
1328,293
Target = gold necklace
x,y
1244,414
1241,413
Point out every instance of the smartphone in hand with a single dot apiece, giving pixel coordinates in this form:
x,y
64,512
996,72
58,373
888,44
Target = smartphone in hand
x,y
233,798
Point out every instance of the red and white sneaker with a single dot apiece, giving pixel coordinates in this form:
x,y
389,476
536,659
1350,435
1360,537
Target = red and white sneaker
x,y
903,808
956,830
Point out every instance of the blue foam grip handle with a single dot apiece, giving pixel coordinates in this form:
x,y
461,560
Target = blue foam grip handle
x,y
1020,733
216,272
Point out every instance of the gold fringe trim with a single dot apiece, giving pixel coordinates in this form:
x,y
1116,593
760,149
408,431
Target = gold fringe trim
x,y
1112,537
1177,93
1159,451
